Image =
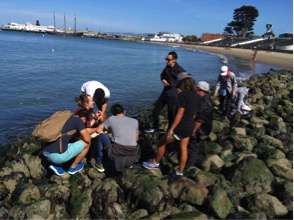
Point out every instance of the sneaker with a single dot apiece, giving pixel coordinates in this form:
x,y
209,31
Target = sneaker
x,y
79,167
149,130
176,173
151,165
98,167
57,170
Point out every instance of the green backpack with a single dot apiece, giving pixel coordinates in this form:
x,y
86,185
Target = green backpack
x,y
50,129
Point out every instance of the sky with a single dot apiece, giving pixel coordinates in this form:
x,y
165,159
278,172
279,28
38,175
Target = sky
x,y
187,17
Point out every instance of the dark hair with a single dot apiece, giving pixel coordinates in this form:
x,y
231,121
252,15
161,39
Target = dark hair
x,y
173,54
252,91
117,109
82,99
187,84
99,94
83,113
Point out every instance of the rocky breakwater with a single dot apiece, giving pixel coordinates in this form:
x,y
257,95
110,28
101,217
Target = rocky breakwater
x,y
245,172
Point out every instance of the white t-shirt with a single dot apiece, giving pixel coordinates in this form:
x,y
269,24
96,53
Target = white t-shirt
x,y
91,86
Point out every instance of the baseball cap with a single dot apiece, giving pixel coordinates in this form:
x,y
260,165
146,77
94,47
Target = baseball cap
x,y
183,75
203,86
224,70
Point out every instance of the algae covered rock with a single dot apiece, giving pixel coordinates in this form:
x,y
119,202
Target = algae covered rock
x,y
253,176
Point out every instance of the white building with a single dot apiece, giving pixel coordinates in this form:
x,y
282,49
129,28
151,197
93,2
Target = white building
x,y
27,27
164,37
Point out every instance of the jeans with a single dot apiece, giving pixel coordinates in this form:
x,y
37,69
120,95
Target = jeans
x,y
225,102
102,141
171,110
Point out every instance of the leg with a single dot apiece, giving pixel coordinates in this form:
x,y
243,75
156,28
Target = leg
x,y
184,153
172,109
228,98
192,151
102,141
80,156
161,148
159,104
221,106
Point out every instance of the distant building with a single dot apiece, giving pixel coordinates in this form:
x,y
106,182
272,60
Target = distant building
x,y
210,37
164,37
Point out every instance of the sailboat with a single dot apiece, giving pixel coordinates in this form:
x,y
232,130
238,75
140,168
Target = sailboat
x,y
65,32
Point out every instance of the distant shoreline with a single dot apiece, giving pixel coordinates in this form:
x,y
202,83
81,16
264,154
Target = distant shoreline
x,y
284,60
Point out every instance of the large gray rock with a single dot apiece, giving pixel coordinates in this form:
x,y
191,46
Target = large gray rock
x,y
268,204
220,203
26,193
253,176
37,171
212,162
40,208
186,190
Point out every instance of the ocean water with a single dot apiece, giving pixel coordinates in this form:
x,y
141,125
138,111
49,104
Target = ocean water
x,y
41,74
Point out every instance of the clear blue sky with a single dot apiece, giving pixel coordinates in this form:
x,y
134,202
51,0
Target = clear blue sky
x,y
188,17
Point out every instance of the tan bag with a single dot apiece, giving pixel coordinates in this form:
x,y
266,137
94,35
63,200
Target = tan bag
x,y
50,129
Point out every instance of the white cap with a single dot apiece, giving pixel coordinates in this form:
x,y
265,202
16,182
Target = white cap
x,y
224,70
203,86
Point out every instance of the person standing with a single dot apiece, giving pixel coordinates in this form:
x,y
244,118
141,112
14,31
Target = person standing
x,y
203,124
182,127
169,93
253,54
226,86
123,149
100,94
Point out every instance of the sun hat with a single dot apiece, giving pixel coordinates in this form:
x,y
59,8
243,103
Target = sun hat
x,y
203,86
183,75
224,70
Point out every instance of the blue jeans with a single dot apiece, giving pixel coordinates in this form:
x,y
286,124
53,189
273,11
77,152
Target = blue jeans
x,y
102,141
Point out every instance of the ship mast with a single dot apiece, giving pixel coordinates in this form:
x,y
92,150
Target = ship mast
x,y
75,27
64,23
54,21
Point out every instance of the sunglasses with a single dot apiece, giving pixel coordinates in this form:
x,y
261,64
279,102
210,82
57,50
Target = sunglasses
x,y
167,59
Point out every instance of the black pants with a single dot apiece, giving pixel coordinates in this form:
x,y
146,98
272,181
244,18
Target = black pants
x,y
225,102
195,148
171,109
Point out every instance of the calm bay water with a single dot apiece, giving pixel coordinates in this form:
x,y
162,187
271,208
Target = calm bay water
x,y
41,74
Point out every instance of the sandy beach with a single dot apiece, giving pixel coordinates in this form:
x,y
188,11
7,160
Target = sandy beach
x,y
284,60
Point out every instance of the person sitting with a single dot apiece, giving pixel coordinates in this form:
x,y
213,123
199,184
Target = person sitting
x,y
61,150
241,104
100,95
85,103
123,150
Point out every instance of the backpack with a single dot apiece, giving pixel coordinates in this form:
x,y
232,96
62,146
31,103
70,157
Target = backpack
x,y
50,129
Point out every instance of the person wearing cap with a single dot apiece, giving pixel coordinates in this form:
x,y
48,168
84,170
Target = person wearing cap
x,y
169,93
100,94
203,124
226,86
241,104
183,125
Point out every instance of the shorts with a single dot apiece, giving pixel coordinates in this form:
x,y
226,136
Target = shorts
x,y
72,151
177,137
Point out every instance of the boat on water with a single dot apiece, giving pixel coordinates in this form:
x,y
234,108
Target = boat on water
x,y
66,32
27,27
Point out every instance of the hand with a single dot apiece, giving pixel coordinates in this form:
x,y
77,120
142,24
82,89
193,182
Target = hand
x,y
165,83
194,132
169,135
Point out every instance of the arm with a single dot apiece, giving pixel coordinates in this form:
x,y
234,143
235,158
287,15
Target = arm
x,y
177,120
86,138
234,85
217,86
137,136
102,116
100,128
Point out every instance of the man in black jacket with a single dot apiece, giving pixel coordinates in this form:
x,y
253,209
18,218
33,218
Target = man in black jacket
x,y
169,93
203,124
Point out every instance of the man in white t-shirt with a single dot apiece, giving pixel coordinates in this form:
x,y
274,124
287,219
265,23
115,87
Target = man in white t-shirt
x,y
100,95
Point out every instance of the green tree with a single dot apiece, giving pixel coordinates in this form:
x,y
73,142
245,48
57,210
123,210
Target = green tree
x,y
243,22
190,38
